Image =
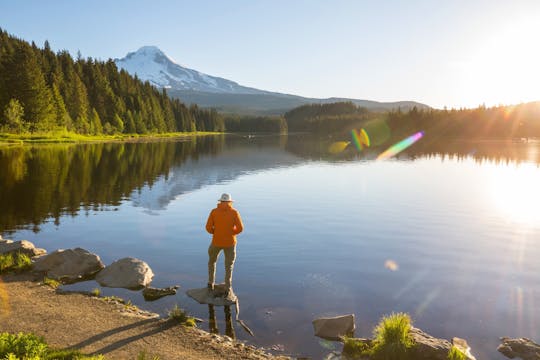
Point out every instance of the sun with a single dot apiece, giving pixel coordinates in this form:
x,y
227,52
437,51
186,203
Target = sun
x,y
504,67
515,190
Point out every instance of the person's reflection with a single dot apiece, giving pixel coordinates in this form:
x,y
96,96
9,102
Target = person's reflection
x,y
212,323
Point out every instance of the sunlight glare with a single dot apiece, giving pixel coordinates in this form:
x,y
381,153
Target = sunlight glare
x,y
515,191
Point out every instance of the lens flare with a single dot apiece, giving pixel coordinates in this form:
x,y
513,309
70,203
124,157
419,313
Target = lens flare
x,y
4,301
400,146
391,265
337,147
360,139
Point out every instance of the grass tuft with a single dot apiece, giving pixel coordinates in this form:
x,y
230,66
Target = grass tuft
x,y
179,315
51,282
355,348
456,354
15,262
392,338
96,292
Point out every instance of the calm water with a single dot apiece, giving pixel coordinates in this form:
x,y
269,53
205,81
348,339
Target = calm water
x,y
449,234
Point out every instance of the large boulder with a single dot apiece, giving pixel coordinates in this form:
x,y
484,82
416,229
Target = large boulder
x,y
69,265
128,273
334,328
22,246
522,348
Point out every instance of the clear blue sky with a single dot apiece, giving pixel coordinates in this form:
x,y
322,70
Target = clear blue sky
x,y
448,52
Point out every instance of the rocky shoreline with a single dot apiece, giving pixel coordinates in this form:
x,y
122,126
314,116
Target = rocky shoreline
x,y
72,265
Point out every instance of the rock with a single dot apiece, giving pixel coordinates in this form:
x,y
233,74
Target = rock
x,y
462,346
215,297
428,347
151,294
128,273
334,328
22,246
522,348
69,265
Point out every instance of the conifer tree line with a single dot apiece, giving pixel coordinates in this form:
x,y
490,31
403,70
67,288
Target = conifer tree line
x,y
42,91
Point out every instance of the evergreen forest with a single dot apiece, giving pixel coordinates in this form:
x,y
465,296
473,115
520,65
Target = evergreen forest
x,y
41,91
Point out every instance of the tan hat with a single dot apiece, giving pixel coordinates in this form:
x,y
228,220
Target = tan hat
x,y
226,198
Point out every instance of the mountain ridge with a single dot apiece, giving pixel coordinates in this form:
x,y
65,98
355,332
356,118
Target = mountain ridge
x,y
151,64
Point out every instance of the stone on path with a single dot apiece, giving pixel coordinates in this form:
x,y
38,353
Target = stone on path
x,y
22,246
335,327
522,348
128,273
151,294
215,297
69,265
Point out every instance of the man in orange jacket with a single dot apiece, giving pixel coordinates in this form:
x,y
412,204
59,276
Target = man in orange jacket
x,y
224,223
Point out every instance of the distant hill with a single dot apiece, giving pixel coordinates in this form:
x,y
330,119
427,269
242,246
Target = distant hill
x,y
149,63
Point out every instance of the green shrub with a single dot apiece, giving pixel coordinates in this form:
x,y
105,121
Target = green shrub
x,y
456,354
31,347
15,262
22,262
181,316
6,262
392,338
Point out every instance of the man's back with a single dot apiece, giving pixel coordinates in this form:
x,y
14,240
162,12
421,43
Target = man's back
x,y
224,223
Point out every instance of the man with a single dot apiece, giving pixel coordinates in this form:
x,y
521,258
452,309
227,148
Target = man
x,y
224,223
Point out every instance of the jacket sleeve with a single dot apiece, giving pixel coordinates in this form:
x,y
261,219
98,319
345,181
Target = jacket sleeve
x,y
238,226
210,224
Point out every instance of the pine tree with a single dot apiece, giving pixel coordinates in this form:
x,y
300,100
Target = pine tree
x,y
24,81
13,118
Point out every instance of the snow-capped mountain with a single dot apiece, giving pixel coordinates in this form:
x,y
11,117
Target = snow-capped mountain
x,y
150,63
194,87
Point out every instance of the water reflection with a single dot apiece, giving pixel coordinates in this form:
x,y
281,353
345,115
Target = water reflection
x,y
38,183
213,324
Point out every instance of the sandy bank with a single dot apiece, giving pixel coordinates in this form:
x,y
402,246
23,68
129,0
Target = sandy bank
x,y
95,326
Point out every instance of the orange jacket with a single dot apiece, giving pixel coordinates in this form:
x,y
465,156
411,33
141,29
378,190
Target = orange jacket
x,y
224,223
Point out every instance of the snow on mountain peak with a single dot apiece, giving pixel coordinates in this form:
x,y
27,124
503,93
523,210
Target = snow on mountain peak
x,y
151,64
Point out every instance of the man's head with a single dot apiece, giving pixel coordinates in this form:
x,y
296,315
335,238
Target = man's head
x,y
226,198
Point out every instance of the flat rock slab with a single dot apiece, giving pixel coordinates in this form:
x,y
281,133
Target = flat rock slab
x,y
213,297
151,294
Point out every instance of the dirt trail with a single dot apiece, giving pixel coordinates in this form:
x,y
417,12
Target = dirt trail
x,y
96,326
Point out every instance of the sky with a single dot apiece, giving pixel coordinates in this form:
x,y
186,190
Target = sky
x,y
452,53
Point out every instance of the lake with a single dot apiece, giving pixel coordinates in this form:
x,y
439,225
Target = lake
x,y
448,232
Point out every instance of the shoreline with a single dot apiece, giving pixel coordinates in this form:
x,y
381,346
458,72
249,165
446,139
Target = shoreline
x,y
74,138
94,325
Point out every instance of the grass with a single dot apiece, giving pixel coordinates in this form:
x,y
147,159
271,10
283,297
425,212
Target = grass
x,y
96,292
29,346
456,354
354,348
62,136
179,315
14,262
392,339
51,282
